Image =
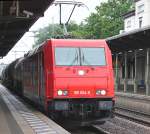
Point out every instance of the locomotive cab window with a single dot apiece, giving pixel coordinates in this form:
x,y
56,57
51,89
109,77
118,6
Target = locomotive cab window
x,y
66,56
93,56
79,56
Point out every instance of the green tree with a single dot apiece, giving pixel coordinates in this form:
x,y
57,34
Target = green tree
x,y
107,20
93,26
58,31
76,31
51,31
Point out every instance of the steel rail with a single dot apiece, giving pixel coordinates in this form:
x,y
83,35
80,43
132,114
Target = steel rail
x,y
136,116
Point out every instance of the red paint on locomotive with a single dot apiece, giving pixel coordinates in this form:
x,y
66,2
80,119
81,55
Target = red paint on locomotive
x,y
73,78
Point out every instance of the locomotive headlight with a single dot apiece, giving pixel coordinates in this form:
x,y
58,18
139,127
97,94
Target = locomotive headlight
x,y
65,92
103,92
98,92
81,72
60,92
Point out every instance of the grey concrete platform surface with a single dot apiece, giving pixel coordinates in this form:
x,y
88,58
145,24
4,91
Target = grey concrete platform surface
x,y
140,103
18,118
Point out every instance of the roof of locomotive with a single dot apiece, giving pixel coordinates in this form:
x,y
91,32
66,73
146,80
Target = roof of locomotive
x,y
34,50
77,42
68,42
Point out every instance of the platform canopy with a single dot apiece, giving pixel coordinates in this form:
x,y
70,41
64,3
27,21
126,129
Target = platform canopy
x,y
16,17
136,39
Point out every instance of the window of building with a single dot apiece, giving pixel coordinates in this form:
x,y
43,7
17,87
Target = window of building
x,y
140,22
140,8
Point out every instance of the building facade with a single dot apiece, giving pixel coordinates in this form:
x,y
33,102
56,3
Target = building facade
x,y
138,18
131,51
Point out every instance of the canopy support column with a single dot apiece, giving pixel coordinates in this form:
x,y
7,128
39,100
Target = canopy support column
x,y
135,71
147,73
125,78
116,72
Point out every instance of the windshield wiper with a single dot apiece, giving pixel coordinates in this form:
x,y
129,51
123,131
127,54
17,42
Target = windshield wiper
x,y
83,60
75,59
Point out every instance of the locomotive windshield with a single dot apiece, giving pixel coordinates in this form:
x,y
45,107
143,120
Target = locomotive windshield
x,y
69,56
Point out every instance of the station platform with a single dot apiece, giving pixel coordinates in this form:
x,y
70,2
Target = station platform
x,y
135,102
18,118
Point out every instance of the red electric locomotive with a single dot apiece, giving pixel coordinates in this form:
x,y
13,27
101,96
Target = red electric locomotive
x,y
70,78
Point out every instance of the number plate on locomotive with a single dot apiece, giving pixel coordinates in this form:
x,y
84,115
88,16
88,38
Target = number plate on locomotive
x,y
82,92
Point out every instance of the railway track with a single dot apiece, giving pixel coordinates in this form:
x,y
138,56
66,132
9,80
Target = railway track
x,y
74,129
132,115
101,130
87,130
123,126
126,121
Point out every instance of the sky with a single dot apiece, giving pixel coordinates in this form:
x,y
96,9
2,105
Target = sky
x,y
51,15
